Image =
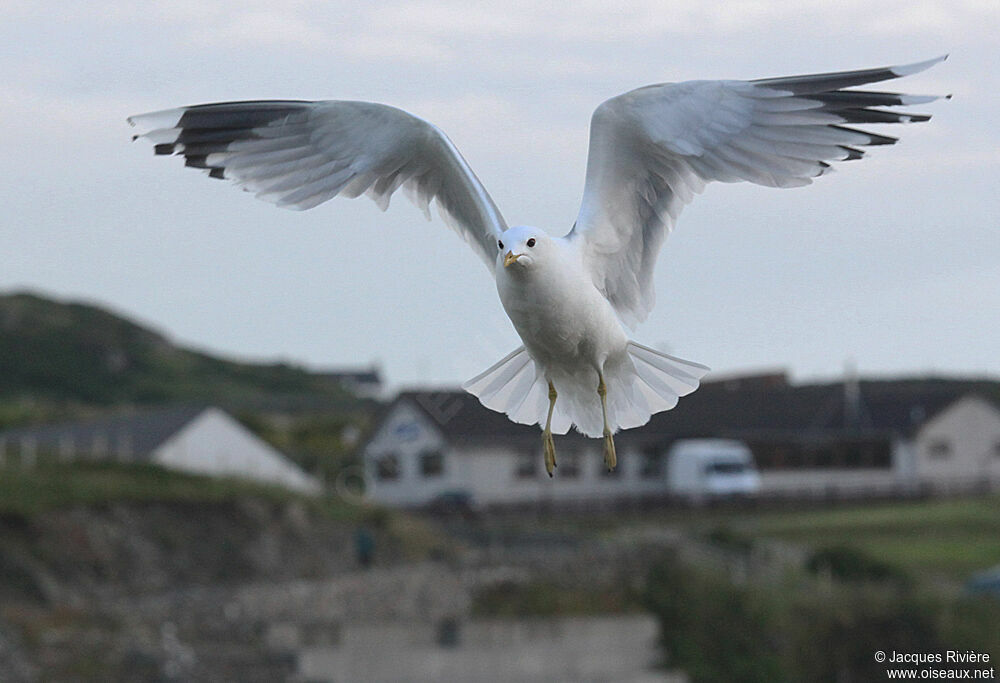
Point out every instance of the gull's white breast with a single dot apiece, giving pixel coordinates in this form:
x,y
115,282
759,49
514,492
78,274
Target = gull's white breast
x,y
564,321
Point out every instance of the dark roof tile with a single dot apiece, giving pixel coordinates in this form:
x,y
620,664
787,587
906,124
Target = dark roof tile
x,y
145,431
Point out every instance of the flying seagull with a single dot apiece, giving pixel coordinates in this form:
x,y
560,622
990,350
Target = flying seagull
x,y
570,298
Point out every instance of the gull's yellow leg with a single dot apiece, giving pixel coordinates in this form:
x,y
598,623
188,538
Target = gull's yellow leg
x,y
610,458
548,446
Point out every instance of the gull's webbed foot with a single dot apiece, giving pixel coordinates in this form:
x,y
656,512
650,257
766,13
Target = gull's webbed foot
x,y
610,457
549,451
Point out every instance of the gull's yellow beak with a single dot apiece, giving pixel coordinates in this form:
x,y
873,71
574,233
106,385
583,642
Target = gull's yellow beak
x,y
510,258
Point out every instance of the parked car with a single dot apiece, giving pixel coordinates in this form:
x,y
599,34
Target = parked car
x,y
457,502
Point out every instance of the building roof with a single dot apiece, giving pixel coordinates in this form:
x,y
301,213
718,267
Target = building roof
x,y
898,406
370,375
736,407
462,418
144,431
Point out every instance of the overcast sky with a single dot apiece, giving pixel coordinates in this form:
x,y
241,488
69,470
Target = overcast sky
x,y
892,262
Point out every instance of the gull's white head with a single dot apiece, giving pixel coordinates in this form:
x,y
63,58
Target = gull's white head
x,y
522,246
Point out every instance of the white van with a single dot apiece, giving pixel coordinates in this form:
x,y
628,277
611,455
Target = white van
x,y
711,468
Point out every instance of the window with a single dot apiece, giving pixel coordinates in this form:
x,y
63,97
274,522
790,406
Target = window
x,y
868,453
807,458
882,454
652,464
432,463
387,467
725,468
838,456
939,449
858,456
527,465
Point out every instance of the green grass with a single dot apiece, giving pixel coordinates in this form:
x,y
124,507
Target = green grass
x,y
29,492
964,512
945,539
58,360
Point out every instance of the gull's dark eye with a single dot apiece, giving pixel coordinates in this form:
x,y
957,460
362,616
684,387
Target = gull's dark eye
x,y
500,244
531,242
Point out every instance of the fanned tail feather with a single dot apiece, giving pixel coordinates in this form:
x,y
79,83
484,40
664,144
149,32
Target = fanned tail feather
x,y
514,386
641,382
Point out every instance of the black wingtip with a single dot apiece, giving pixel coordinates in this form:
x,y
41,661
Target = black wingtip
x,y
163,148
873,138
866,115
852,153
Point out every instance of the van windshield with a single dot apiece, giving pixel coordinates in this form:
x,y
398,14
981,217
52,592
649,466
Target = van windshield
x,y
725,468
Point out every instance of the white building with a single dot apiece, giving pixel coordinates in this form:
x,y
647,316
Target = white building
x,y
962,441
874,438
200,440
429,444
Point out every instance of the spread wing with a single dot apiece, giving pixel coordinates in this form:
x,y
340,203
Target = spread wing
x,y
300,154
654,148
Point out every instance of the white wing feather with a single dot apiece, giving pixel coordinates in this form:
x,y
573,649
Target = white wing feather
x,y
300,154
654,148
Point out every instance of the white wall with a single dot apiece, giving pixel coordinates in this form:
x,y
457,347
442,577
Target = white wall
x,y
817,481
216,444
406,433
493,471
489,471
971,429
614,648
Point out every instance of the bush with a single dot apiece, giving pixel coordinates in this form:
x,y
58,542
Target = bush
x,y
834,636
715,630
724,537
851,564
712,630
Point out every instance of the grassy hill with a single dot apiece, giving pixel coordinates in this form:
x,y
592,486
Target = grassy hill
x,y
58,358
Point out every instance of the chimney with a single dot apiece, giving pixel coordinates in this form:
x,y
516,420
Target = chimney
x,y
852,396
